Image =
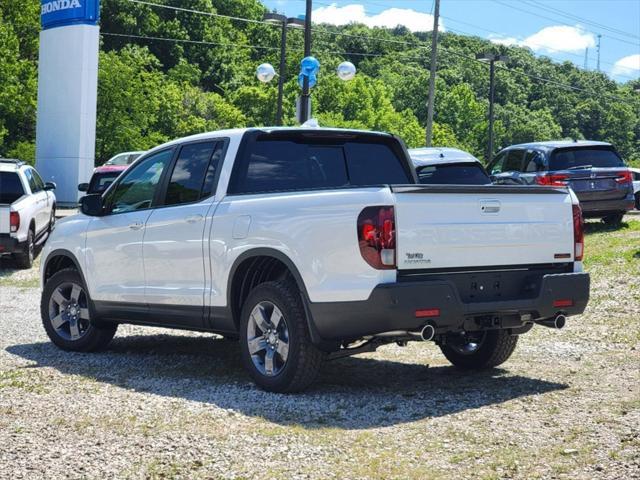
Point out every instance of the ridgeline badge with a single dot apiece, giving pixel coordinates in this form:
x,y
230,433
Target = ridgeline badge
x,y
58,13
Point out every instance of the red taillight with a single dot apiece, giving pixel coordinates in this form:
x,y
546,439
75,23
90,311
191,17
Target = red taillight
x,y
14,221
377,237
552,179
428,312
578,233
567,302
624,177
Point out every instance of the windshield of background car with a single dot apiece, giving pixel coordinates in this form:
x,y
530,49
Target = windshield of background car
x,y
101,181
602,157
455,174
122,159
10,187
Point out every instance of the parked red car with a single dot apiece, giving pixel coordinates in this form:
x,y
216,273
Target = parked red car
x,y
101,179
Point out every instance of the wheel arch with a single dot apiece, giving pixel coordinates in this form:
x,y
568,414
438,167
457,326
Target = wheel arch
x,y
260,265
58,260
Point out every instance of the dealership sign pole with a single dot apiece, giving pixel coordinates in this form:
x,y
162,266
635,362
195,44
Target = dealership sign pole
x,y
67,92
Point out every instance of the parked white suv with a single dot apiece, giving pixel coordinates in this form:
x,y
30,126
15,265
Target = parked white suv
x,y
27,210
311,244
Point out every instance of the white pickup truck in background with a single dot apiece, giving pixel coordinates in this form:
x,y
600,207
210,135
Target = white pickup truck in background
x,y
308,244
27,210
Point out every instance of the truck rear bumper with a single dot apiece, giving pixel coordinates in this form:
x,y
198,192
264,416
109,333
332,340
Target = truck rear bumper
x,y
394,306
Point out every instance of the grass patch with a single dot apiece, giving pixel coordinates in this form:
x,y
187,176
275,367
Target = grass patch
x,y
617,248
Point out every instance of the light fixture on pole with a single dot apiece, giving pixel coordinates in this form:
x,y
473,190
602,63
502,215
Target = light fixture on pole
x,y
491,59
284,22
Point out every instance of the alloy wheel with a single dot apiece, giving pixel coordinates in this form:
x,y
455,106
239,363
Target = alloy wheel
x,y
69,311
268,338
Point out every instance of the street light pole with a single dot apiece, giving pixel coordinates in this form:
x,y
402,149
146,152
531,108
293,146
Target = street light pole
x,y
305,104
283,64
491,59
284,23
432,76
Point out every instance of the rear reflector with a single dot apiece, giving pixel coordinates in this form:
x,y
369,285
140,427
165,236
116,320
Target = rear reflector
x,y
563,303
429,312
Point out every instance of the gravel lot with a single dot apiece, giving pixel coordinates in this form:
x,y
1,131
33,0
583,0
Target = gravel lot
x,y
164,404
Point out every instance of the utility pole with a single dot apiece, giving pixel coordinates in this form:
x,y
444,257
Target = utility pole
x,y
598,64
305,104
491,59
432,70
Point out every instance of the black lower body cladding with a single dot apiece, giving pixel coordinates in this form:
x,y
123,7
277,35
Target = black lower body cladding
x,y
449,305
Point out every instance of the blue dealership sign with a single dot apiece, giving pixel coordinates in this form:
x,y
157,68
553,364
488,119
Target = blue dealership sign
x,y
58,13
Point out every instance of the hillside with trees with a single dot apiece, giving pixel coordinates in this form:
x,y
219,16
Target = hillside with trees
x,y
152,89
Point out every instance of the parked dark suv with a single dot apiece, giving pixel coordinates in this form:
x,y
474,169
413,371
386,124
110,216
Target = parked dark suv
x,y
594,170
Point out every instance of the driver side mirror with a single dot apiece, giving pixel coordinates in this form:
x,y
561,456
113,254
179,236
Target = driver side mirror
x,y
92,205
83,187
50,186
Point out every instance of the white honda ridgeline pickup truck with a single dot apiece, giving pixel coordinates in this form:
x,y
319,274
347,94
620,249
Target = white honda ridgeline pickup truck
x,y
310,244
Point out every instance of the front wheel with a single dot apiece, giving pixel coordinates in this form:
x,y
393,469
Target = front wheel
x,y
274,339
479,350
66,314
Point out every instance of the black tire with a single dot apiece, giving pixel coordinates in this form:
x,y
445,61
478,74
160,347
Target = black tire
x,y
495,348
303,360
52,219
638,201
93,338
24,260
613,220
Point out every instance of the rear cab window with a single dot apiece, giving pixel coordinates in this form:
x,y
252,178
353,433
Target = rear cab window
x,y
453,174
11,188
587,157
287,161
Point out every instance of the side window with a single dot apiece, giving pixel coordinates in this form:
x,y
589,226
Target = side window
x,y
189,172
513,162
533,162
497,164
138,186
33,181
209,186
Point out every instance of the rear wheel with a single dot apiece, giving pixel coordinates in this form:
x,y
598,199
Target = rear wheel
x,y
66,315
479,350
638,201
274,339
615,219
24,260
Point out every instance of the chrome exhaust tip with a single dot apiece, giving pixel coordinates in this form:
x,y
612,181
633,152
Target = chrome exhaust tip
x,y
558,322
427,333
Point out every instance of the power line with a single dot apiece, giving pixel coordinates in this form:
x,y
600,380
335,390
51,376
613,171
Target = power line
x,y
506,4
601,26
182,40
411,44
210,14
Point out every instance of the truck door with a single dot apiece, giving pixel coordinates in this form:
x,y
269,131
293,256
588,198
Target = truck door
x,y
175,239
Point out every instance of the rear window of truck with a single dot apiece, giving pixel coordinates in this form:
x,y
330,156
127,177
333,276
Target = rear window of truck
x,y
600,157
10,187
454,174
308,163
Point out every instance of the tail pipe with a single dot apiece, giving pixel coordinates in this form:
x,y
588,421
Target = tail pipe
x,y
556,322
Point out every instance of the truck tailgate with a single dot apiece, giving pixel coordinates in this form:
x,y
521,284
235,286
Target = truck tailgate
x,y
4,218
455,226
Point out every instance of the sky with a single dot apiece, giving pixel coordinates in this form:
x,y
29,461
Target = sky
x,y
560,29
